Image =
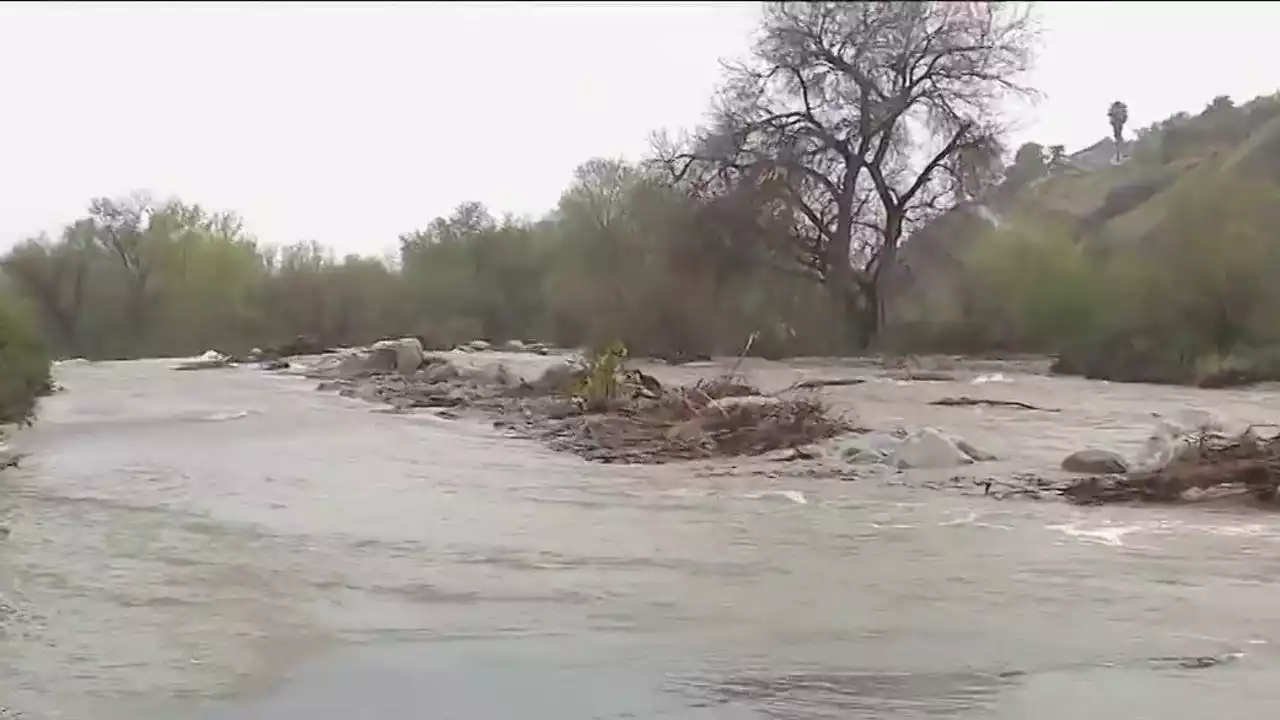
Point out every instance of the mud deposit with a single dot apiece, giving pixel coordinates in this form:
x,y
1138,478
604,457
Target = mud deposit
x,y
232,544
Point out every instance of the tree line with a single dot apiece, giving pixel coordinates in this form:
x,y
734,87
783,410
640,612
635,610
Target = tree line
x,y
850,128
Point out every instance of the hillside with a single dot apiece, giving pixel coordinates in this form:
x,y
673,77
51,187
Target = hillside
x,y
1098,201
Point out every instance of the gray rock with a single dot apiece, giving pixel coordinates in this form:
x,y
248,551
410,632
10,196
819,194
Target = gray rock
x,y
978,455
1095,462
407,353
929,449
926,448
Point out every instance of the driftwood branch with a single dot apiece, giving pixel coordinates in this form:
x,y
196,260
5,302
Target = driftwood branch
x,y
973,402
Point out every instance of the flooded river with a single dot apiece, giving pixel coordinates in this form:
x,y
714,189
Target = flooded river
x,y
231,545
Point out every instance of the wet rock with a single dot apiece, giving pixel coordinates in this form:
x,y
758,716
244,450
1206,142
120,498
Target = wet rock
x,y
408,356
210,360
476,346
1095,462
277,364
977,454
927,449
354,365
537,348
559,377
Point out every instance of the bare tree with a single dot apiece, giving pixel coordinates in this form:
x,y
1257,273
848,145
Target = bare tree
x,y
862,120
123,228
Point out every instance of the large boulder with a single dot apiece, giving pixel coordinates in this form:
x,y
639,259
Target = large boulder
x,y
406,354
929,449
1095,462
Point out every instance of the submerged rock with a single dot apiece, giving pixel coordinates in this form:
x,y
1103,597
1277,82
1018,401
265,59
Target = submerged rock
x,y
209,360
1095,462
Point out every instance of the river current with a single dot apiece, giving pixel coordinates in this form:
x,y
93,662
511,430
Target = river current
x,y
233,545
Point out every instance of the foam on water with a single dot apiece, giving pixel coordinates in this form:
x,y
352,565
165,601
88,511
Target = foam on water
x,y
1112,535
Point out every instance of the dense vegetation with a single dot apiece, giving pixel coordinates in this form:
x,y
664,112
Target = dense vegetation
x,y
24,364
848,193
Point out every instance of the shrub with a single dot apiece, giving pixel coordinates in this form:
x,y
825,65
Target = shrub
x,y
24,365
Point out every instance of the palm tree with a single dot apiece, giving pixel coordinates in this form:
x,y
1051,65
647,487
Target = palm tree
x,y
1118,114
1057,156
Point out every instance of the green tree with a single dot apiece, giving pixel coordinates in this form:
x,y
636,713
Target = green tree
x,y
24,364
1028,165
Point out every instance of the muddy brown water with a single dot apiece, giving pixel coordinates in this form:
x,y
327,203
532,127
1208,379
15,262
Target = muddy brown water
x,y
232,544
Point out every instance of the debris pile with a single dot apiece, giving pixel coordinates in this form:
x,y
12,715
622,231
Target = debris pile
x,y
595,406
719,417
1207,464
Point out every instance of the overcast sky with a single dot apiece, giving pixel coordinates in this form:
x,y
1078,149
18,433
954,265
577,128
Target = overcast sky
x,y
350,123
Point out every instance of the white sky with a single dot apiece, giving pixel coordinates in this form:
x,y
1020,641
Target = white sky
x,y
350,123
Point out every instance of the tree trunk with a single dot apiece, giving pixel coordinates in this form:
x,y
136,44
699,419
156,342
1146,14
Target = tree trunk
x,y
853,303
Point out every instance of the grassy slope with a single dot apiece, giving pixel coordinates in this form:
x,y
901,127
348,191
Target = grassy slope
x,y
1111,203
1085,196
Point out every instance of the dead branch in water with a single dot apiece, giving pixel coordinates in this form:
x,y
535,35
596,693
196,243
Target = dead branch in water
x,y
816,383
967,401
